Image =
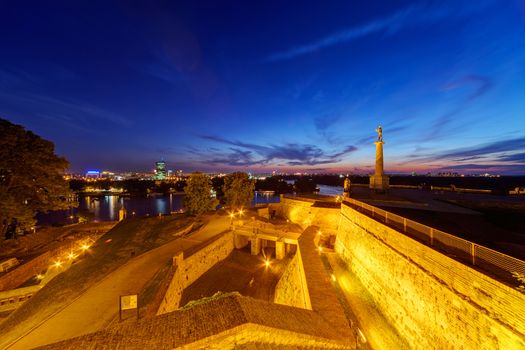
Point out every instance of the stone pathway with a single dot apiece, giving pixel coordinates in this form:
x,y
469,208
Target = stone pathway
x,y
378,332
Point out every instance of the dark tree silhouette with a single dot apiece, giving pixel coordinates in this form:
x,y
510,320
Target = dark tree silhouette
x,y
31,178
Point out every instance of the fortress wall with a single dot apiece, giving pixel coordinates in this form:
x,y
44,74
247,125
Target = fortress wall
x,y
22,273
302,212
291,289
434,301
189,269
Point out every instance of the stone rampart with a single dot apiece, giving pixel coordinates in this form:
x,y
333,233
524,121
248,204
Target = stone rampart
x,y
304,212
22,273
189,269
291,289
432,300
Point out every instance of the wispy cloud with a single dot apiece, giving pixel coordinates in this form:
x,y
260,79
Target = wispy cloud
x,y
410,16
293,154
483,151
64,110
479,84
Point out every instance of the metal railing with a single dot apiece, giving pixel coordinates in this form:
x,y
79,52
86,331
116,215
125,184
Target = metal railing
x,y
499,264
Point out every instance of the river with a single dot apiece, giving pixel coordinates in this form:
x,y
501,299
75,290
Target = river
x,y
106,208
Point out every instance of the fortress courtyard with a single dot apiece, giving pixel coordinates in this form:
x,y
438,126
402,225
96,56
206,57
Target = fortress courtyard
x,y
308,272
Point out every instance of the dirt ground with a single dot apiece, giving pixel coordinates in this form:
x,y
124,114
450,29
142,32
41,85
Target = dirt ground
x,y
241,272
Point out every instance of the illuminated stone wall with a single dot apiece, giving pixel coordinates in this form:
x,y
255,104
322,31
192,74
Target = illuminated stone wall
x,y
434,301
22,273
291,289
189,269
303,213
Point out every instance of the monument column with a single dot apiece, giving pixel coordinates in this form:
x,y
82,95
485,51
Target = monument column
x,y
379,182
379,158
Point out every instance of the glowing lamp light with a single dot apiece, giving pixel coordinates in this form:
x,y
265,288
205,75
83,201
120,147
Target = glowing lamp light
x,y
39,277
319,232
57,264
232,215
267,263
84,247
241,212
71,256
333,277
320,249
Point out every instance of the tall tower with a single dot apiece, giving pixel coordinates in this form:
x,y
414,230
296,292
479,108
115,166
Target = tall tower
x,y
160,170
379,182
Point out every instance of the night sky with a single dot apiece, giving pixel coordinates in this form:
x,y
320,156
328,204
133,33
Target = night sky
x,y
269,85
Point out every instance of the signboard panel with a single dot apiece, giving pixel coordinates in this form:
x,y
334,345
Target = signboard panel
x,y
128,302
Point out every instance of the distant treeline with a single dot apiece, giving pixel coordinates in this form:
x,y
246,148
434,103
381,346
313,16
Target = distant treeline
x,y
131,186
307,183
498,185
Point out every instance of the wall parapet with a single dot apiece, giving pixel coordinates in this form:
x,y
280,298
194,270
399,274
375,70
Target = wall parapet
x,y
433,300
499,265
291,289
188,268
304,212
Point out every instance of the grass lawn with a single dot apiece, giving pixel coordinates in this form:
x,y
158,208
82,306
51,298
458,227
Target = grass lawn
x,y
129,238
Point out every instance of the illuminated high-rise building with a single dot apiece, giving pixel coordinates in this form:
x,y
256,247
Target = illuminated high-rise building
x,y
160,170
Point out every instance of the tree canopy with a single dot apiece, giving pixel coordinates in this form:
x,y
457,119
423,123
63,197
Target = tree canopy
x,y
197,199
238,189
304,185
31,178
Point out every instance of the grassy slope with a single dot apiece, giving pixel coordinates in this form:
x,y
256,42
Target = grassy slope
x,y
136,235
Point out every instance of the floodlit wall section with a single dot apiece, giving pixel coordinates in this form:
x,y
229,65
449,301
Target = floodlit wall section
x,y
291,289
302,212
188,270
434,301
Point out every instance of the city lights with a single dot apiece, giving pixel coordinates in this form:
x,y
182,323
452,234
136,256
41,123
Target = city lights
x,y
57,263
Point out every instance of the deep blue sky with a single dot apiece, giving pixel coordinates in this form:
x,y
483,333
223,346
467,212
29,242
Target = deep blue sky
x,y
269,85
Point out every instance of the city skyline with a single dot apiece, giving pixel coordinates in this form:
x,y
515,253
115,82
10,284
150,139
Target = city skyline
x,y
269,86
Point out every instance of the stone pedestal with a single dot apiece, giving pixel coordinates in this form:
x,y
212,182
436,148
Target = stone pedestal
x,y
255,246
121,214
240,241
379,181
280,251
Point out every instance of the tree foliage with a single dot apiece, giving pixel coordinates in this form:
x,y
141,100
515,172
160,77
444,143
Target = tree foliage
x,y
304,185
238,190
31,178
197,199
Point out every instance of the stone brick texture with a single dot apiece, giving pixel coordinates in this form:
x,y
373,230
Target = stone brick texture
x,y
190,265
291,289
432,300
306,212
224,322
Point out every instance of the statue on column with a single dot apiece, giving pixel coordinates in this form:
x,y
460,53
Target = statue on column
x,y
379,131
346,187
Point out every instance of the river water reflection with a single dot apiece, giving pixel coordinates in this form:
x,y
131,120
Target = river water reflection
x,y
106,208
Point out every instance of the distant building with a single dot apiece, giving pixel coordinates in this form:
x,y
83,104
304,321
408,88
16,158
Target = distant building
x,y
160,170
94,174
